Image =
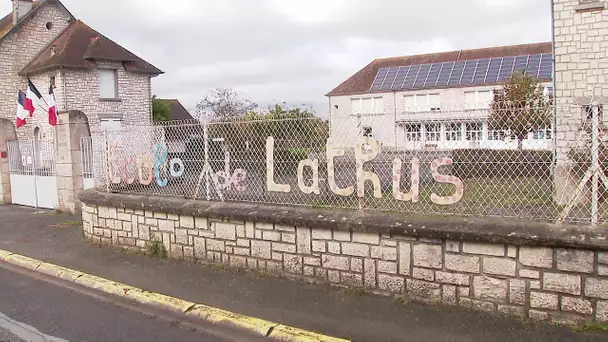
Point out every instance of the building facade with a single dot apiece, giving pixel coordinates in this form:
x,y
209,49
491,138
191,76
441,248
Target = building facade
x,y
580,29
41,40
436,101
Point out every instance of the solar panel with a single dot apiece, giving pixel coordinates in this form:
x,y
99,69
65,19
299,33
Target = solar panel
x,y
456,73
379,79
546,67
390,78
506,69
469,71
481,71
408,83
444,75
521,63
400,77
422,76
433,75
533,65
493,70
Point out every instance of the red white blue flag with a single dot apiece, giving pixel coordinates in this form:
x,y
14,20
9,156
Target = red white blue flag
x,y
32,98
22,113
52,108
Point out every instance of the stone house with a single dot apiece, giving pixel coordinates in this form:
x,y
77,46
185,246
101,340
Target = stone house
x,y
43,41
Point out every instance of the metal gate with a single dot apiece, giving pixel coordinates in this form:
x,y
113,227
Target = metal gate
x,y
33,173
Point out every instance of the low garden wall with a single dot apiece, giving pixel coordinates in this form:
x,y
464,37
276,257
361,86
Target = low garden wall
x,y
535,270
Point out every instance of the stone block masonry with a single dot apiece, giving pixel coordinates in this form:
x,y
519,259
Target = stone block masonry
x,y
545,277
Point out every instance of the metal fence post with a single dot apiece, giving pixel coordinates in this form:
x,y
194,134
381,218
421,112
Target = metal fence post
x,y
595,162
207,165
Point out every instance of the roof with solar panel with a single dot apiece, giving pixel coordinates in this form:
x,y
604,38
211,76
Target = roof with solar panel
x,y
466,68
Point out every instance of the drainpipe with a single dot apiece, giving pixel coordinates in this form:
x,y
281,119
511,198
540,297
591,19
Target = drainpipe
x,y
554,83
65,97
395,117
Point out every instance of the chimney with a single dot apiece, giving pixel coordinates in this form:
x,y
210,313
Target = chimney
x,y
20,9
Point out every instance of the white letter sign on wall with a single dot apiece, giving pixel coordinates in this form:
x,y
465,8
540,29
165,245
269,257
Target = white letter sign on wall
x,y
270,184
314,165
414,193
447,200
331,177
372,150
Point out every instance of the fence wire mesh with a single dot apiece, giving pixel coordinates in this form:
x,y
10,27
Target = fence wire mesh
x,y
543,163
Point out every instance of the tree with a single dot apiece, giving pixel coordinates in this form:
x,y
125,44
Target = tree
x,y
160,110
520,107
224,104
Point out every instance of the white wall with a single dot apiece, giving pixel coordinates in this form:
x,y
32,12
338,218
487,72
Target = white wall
x,y
388,124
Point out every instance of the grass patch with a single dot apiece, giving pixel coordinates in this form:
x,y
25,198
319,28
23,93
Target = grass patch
x,y
72,223
156,249
594,327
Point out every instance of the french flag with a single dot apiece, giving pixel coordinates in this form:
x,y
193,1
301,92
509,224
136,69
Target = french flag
x,y
22,113
32,98
52,108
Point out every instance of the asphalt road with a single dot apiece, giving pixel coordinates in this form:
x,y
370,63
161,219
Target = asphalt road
x,y
32,309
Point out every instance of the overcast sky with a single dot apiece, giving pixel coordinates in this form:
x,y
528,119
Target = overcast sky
x,y
295,51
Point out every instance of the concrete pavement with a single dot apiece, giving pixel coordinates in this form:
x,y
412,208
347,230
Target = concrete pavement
x,y
360,317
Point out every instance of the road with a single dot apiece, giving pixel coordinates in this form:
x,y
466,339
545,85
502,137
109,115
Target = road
x,y
32,309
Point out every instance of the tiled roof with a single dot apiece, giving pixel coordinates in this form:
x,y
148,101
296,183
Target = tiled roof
x,y
362,81
79,46
178,112
6,23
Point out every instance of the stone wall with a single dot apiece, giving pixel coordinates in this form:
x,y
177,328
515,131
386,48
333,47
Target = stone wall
x,y
524,274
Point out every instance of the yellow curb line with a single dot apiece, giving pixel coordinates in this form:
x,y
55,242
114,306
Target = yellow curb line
x,y
191,309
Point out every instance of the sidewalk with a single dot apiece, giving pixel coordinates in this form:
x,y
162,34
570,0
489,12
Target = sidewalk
x,y
58,239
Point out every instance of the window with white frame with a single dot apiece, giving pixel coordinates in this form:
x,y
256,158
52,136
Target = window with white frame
x,y
474,131
546,133
422,102
497,135
433,132
413,132
367,105
108,83
478,99
453,132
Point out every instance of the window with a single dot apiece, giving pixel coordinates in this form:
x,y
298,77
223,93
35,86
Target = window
x,y
413,132
474,131
422,102
543,134
497,135
367,105
49,25
367,132
589,113
453,132
52,82
478,99
433,132
110,125
108,84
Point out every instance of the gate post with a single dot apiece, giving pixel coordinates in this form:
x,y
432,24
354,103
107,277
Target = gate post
x,y
72,126
7,133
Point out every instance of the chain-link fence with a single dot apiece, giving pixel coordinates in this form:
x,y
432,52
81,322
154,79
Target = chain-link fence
x,y
543,163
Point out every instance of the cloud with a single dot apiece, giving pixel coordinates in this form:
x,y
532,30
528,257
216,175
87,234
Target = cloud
x,y
297,50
